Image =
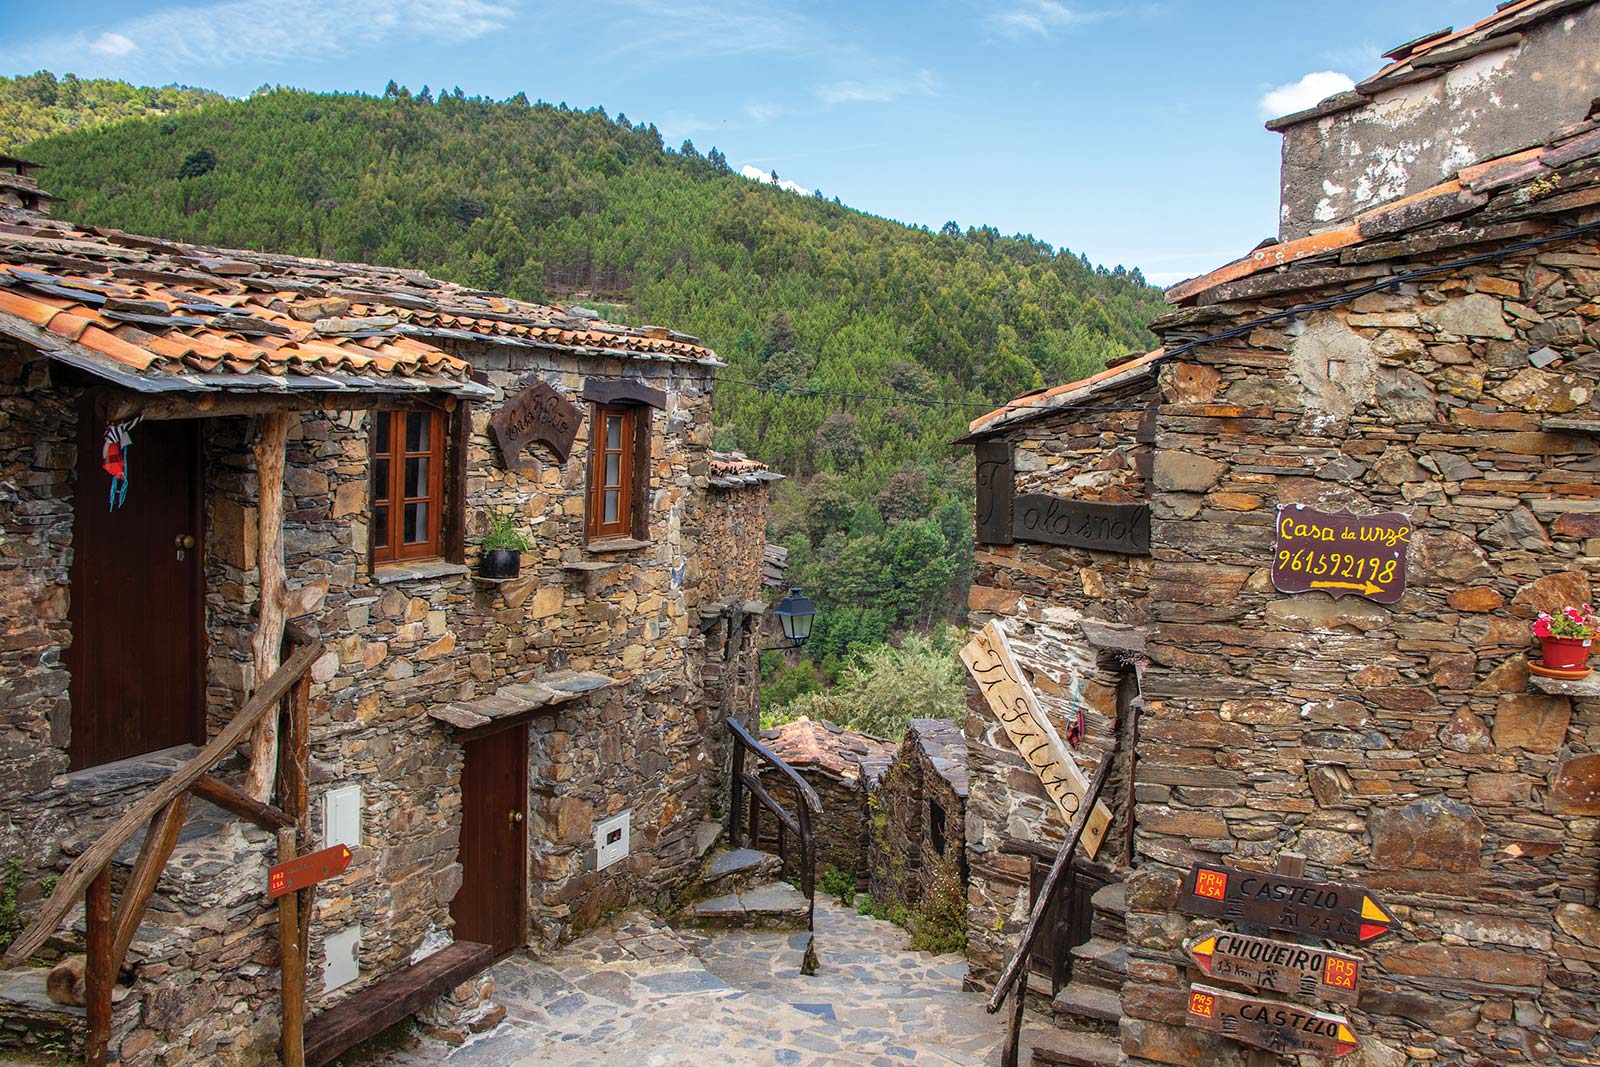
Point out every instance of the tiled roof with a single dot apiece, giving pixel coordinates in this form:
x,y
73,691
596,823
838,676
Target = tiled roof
x,y
733,470
1493,202
825,745
1042,401
161,315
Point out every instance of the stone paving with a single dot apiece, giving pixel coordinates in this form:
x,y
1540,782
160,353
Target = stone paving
x,y
643,995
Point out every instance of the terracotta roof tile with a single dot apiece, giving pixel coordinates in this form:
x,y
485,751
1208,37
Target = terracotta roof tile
x,y
1039,401
839,752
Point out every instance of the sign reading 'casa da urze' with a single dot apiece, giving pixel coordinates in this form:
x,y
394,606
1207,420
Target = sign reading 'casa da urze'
x,y
1340,553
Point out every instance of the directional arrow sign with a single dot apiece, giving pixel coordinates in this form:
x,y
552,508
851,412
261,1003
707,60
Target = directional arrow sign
x,y
308,870
1274,1025
1278,966
1332,910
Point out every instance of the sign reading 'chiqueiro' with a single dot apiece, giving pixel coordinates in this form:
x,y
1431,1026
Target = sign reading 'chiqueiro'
x,y
1278,966
1274,1025
1338,912
1340,553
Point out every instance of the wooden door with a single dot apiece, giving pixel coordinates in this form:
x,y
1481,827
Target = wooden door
x,y
491,905
137,612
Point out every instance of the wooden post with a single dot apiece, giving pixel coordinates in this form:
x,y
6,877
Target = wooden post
x,y
292,964
159,840
266,645
1294,865
98,976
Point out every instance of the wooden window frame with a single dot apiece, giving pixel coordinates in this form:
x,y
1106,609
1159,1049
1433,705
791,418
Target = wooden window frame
x,y
441,504
633,474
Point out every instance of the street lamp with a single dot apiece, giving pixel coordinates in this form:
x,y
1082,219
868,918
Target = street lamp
x,y
794,613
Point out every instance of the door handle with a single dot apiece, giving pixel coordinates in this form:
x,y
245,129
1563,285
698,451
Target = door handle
x,y
514,816
183,543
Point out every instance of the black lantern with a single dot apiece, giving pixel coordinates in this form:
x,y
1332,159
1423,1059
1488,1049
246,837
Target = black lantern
x,y
794,613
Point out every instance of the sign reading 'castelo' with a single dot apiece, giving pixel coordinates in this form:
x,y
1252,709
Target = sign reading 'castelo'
x,y
1273,1025
1340,553
1338,912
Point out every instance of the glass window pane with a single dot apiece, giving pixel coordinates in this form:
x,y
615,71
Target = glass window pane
x,y
381,432
613,431
612,497
380,480
417,437
614,468
416,523
417,476
380,527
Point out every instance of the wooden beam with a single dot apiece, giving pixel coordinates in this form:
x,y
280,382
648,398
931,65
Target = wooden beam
x,y
76,879
292,961
273,594
269,818
159,841
98,975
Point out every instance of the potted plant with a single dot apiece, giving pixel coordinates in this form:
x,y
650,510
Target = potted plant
x,y
1567,638
502,546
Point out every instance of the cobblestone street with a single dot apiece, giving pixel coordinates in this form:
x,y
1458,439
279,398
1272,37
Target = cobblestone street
x,y
643,995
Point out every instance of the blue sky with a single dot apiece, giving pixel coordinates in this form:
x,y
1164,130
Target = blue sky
x,y
1130,131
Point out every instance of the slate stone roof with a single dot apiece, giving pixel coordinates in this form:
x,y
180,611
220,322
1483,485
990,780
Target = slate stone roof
x,y
165,316
1040,401
945,746
828,747
733,470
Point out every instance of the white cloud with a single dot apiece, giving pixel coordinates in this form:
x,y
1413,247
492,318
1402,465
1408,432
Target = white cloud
x,y
878,90
272,31
112,44
761,112
1038,17
756,174
709,28
1307,92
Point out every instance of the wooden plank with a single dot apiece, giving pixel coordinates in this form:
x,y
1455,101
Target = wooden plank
x,y
1332,910
75,881
1276,1026
386,1002
98,974
159,841
1281,967
996,486
1051,520
211,788
623,390
301,872
291,959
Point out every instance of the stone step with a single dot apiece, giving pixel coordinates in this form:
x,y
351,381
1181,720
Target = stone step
x,y
774,906
1065,1049
1081,1001
706,836
33,1021
1099,952
1112,898
732,870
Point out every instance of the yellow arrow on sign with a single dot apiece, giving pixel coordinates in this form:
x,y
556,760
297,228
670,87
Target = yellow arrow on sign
x,y
1367,588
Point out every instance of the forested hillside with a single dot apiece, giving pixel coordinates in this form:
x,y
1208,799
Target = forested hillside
x,y
36,105
800,294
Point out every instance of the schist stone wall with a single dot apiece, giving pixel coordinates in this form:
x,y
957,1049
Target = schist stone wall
x,y
1043,596
205,987
843,766
1421,125
1401,747
918,811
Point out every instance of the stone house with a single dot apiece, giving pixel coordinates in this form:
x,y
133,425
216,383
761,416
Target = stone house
x,y
917,813
841,765
313,448
1429,348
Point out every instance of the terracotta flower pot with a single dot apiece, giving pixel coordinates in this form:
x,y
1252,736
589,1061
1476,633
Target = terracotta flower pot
x,y
1565,653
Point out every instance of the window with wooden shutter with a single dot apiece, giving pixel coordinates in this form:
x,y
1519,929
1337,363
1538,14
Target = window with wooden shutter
x,y
618,436
408,462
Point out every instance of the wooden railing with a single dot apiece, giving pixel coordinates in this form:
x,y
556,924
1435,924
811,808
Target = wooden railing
x,y
797,822
111,928
1014,978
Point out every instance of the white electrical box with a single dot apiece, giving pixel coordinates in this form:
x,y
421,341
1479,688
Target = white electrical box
x,y
340,966
341,816
611,840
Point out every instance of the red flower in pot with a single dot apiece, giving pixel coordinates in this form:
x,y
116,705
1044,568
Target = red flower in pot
x,y
1567,637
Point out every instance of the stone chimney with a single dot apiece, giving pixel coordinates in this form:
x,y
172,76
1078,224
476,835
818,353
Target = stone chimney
x,y
18,188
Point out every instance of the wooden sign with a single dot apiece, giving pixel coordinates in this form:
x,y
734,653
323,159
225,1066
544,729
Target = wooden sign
x,y
1278,966
305,871
996,487
1050,520
1274,1025
1332,910
1341,553
538,413
988,657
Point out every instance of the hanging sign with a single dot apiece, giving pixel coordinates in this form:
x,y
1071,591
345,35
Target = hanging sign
x,y
538,413
305,871
1278,966
1332,910
988,658
1273,1025
1052,520
1340,553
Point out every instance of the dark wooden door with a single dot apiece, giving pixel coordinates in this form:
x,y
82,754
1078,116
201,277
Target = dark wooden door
x,y
1069,920
137,654
491,905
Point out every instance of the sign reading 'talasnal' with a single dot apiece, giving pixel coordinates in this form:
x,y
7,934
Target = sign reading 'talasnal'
x,y
1278,966
1340,553
1274,1025
1338,912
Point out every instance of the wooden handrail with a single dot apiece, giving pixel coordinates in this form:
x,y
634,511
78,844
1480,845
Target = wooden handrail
x,y
801,786
797,822
77,878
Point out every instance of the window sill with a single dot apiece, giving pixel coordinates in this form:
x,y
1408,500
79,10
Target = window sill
x,y
390,573
616,544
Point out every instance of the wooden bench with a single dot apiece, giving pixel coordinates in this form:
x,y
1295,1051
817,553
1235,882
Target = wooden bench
x,y
386,1002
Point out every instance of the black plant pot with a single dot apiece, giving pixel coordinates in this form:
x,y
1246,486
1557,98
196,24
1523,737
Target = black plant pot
x,y
500,563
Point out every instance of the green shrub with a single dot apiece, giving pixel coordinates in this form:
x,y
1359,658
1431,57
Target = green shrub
x,y
840,885
939,924
888,910
10,880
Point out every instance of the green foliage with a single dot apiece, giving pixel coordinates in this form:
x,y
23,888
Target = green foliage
x,y
10,881
840,885
502,535
888,910
884,688
37,105
197,163
783,682
939,923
